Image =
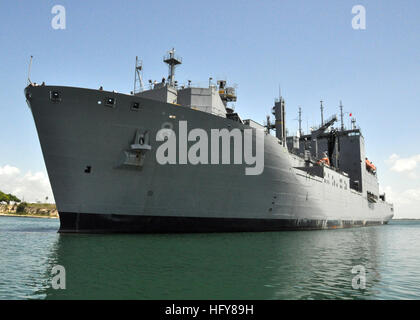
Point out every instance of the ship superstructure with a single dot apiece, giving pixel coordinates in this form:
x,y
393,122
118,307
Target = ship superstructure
x,y
101,151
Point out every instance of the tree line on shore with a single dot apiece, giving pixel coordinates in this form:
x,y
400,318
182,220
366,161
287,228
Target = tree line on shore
x,y
8,198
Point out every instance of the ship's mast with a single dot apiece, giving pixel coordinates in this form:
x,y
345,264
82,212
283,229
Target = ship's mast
x,y
341,116
172,61
138,78
284,121
279,113
300,121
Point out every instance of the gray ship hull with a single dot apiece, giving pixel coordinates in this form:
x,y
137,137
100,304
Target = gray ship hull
x,y
83,144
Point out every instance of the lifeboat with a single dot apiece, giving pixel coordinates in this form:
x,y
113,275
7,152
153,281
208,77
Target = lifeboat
x,y
370,166
324,160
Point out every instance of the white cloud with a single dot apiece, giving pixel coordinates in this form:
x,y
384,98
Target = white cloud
x,y
29,186
399,164
9,170
406,203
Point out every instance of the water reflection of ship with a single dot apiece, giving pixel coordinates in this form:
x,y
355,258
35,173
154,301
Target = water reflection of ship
x,y
310,265
323,270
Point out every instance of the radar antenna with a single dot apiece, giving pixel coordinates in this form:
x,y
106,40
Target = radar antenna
x,y
138,76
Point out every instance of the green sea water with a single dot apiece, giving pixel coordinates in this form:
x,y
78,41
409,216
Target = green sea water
x,y
271,265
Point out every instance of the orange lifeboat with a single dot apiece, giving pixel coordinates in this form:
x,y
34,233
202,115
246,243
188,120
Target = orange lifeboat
x,y
370,166
324,160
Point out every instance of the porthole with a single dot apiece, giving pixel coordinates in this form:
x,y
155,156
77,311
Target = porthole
x,y
135,106
110,102
55,96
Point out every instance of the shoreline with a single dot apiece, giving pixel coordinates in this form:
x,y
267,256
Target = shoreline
x,y
26,215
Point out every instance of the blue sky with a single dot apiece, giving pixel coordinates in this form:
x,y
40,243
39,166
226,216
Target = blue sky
x,y
307,47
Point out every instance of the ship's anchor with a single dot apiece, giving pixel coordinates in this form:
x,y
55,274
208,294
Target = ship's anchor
x,y
135,155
